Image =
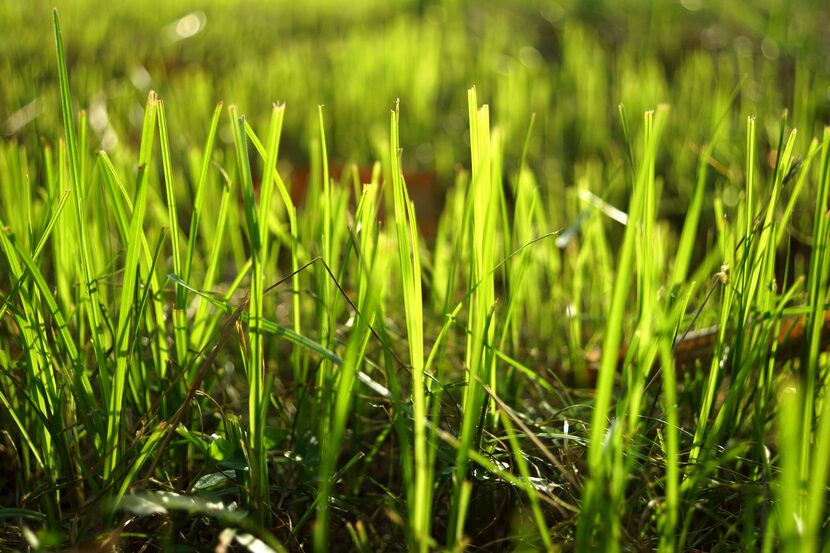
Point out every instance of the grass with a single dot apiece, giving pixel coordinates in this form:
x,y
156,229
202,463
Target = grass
x,y
589,314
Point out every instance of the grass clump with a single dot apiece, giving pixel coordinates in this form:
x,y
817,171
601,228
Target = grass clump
x,y
559,330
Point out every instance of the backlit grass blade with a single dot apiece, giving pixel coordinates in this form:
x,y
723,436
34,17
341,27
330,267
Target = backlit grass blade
x,y
83,386
39,382
66,104
526,200
47,231
671,506
179,315
325,231
121,207
754,278
816,508
89,292
690,225
199,199
291,211
598,462
201,325
257,384
790,487
344,398
818,271
483,205
134,244
409,259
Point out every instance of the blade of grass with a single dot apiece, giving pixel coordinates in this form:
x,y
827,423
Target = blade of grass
x,y
198,201
598,453
89,290
410,267
122,337
179,315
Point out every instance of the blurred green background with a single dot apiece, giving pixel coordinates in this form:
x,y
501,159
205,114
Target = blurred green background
x,y
569,62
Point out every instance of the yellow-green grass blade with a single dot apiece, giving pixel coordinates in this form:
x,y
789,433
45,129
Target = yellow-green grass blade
x,y
258,480
129,283
89,289
598,477
201,183
179,315
201,321
814,374
410,270
294,245
122,208
344,397
482,204
790,487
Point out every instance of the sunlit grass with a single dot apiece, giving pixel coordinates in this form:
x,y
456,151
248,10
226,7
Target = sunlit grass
x,y
613,335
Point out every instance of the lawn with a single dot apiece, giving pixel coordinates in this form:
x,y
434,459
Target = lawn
x,y
429,276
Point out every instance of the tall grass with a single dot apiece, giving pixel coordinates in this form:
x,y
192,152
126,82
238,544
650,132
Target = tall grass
x,y
406,227
615,337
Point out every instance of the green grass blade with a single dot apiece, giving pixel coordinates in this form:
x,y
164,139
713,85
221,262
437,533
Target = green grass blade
x,y
128,286
198,201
